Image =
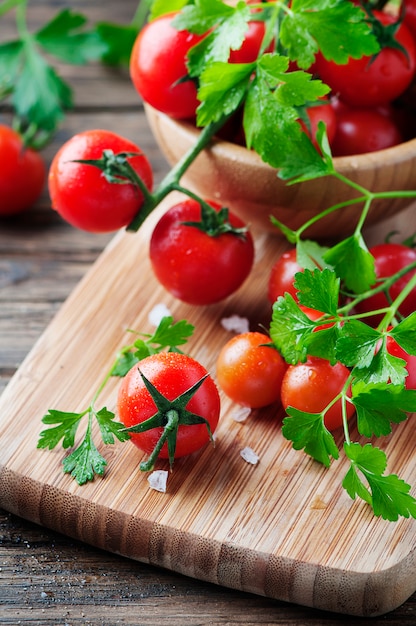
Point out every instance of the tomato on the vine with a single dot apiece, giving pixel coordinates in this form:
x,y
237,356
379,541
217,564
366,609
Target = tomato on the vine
x,y
282,276
198,267
173,374
81,193
368,82
390,258
250,370
313,385
408,12
158,67
23,173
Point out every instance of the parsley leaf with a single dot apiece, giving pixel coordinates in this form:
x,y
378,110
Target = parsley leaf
x,y
318,289
65,429
379,405
85,462
388,495
307,432
10,59
357,344
289,328
405,333
353,263
337,29
63,38
160,7
118,41
223,87
168,335
271,119
109,427
40,96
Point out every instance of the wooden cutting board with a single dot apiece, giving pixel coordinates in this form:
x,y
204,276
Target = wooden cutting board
x,y
283,528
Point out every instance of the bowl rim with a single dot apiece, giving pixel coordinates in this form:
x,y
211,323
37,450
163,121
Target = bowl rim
x,y
396,154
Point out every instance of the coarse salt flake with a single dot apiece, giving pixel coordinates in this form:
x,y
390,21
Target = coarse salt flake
x,y
235,323
241,414
158,312
158,480
249,455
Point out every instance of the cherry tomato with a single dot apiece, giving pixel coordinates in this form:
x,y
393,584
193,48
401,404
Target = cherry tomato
x,y
172,373
312,385
282,276
361,130
368,82
395,350
408,11
158,67
23,173
80,192
389,259
194,266
250,48
250,372
321,113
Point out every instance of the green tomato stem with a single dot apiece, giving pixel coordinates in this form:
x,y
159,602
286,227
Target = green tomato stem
x,y
171,426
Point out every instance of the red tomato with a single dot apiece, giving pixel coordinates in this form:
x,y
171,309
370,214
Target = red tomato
x,y
249,372
23,173
312,385
250,48
158,67
389,259
282,276
172,373
395,350
365,82
321,113
82,195
363,130
408,10
194,266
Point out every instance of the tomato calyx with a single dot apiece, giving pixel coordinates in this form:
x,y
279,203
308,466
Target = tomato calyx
x,y
384,33
170,415
117,169
216,222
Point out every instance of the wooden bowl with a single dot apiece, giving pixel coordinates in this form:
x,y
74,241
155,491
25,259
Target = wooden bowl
x,y
239,179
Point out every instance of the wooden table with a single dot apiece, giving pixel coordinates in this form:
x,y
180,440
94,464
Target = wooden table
x,y
46,578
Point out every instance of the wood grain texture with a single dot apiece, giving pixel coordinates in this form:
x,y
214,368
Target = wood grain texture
x,y
284,528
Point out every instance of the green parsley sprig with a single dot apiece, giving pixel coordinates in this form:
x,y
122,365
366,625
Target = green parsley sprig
x,y
86,461
30,81
333,282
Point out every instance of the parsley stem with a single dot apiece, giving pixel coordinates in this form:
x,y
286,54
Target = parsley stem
x,y
7,5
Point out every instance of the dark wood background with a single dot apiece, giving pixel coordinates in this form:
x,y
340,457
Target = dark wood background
x,y
46,578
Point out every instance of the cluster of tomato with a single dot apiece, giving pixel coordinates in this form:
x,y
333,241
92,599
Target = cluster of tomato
x,y
253,374
369,108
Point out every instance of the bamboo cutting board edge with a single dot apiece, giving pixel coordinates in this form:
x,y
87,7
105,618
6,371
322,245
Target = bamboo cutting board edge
x,y
221,551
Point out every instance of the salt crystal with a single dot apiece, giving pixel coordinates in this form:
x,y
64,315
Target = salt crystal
x,y
241,414
249,455
158,480
158,312
235,323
